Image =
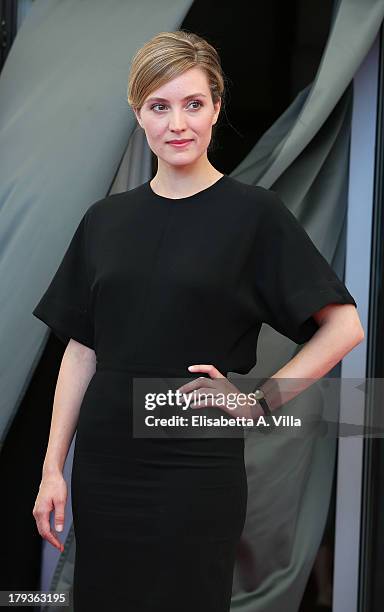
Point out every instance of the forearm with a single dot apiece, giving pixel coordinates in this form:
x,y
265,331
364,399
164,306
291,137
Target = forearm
x,y
76,370
332,341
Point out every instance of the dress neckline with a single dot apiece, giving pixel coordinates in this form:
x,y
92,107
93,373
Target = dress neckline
x,y
189,198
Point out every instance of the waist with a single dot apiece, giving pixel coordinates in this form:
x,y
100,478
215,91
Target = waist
x,y
166,369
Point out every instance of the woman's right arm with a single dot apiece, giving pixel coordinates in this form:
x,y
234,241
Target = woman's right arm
x,y
77,368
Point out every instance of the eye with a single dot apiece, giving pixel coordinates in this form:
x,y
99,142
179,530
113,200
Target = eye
x,y
196,102
158,104
164,105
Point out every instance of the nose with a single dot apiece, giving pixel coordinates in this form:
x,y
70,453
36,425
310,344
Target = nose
x,y
177,121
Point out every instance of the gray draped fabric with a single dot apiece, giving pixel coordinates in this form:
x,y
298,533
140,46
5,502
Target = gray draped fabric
x,y
64,125
290,479
70,139
304,158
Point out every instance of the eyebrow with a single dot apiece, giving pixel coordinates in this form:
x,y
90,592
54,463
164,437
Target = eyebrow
x,y
186,97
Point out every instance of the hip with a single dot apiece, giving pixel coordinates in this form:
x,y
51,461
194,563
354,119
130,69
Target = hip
x,y
106,434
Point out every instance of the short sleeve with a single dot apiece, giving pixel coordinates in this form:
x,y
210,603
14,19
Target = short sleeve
x,y
65,305
293,279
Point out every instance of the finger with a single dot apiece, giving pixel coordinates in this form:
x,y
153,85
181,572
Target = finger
x,y
202,399
207,368
44,529
60,545
201,392
196,383
59,515
203,404
54,540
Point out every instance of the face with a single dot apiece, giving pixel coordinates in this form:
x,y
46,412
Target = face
x,y
181,109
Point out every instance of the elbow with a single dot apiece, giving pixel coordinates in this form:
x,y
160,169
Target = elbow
x,y
355,333
360,334
349,320
344,322
357,329
80,351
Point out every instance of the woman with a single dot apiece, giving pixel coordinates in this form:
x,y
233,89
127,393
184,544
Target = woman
x,y
173,278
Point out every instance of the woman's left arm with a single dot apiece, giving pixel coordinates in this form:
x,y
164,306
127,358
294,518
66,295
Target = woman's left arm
x,y
340,330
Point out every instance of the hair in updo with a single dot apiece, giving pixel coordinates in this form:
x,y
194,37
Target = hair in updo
x,y
167,55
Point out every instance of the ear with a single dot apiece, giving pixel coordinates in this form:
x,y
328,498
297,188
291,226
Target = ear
x,y
137,114
217,107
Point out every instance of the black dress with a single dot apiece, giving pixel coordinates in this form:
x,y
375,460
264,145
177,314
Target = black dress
x,y
155,284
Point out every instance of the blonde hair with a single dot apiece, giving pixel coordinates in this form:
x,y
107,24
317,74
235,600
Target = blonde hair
x,y
167,55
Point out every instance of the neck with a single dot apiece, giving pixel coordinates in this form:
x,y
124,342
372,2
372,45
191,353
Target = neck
x,y
171,181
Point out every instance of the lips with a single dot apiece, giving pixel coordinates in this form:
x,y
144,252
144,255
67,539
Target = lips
x,y
180,141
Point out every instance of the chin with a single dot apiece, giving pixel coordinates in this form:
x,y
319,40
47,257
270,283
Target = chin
x,y
178,160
